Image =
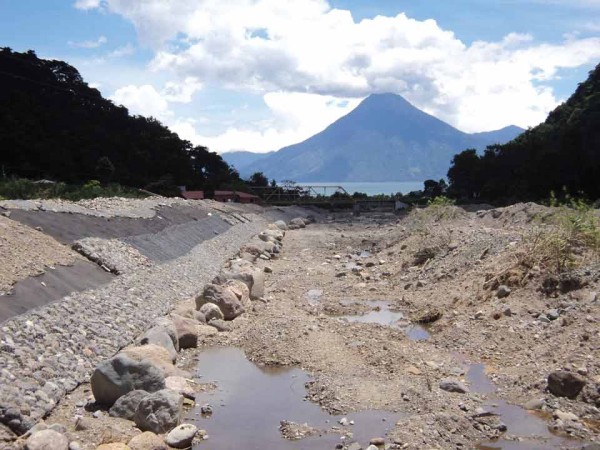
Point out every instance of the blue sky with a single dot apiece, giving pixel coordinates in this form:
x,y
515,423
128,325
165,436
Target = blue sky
x,y
260,74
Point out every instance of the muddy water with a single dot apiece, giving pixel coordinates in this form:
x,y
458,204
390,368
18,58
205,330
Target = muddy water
x,y
382,315
529,430
250,402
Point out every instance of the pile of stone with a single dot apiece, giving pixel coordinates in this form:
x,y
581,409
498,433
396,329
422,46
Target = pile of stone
x,y
141,383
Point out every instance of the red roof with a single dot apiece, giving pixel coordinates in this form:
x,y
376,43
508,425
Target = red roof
x,y
193,195
230,193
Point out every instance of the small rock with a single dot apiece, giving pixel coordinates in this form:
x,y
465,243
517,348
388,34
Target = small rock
x,y
147,441
181,436
479,315
565,384
378,441
343,421
534,404
97,414
211,311
564,416
503,291
553,314
75,446
453,386
206,409
47,440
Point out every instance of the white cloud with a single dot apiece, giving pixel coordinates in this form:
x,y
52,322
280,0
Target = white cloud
x,y
87,4
146,100
295,117
90,44
143,100
298,50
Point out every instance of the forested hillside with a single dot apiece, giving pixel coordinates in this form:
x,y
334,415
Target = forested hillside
x,y
53,125
563,153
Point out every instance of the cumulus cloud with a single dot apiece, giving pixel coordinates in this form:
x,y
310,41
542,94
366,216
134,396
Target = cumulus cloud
x,y
301,49
143,100
146,100
90,44
87,4
294,118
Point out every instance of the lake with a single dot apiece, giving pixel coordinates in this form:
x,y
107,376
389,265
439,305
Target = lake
x,y
370,188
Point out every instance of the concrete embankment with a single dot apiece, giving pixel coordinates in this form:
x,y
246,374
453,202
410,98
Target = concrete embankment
x,y
48,351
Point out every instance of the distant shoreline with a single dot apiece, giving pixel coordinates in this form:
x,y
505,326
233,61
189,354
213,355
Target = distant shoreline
x,y
370,187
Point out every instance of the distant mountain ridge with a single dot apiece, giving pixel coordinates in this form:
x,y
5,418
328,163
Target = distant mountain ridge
x,y
385,138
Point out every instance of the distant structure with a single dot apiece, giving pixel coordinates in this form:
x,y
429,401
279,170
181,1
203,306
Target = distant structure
x,y
220,196
237,197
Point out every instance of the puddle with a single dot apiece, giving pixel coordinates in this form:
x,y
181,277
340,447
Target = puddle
x,y
382,315
529,428
250,402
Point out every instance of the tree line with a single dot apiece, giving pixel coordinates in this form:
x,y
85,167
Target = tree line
x,y
53,125
560,155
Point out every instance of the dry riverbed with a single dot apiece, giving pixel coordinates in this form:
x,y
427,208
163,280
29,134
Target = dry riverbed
x,y
435,330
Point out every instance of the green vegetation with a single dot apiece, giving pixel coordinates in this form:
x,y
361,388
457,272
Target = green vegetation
x,y
19,188
562,152
570,237
54,126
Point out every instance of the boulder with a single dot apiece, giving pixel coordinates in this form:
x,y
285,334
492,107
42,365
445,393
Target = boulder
x,y
159,412
241,291
126,406
565,384
187,331
271,235
223,298
164,337
147,441
281,225
251,276
156,355
211,311
47,440
200,317
121,374
181,436
296,223
180,385
453,386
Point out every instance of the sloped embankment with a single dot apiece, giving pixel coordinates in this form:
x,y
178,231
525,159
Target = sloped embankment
x,y
50,350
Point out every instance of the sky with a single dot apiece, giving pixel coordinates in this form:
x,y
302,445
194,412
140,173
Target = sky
x,y
258,75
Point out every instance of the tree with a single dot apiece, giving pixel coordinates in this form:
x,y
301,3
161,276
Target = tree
x,y
105,169
434,188
258,179
465,175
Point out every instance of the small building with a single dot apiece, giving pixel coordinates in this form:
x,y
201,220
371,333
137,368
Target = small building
x,y
236,196
192,195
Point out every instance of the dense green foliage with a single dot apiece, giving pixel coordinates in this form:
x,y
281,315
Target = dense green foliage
x,y
563,153
19,188
54,126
